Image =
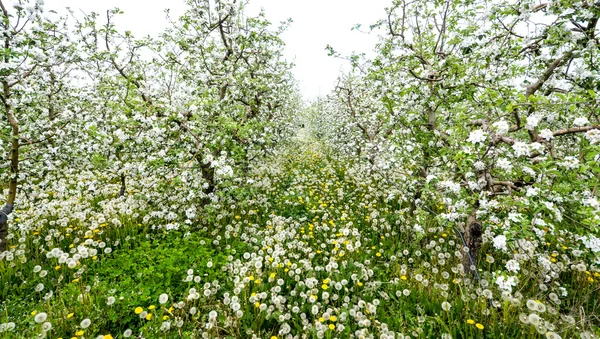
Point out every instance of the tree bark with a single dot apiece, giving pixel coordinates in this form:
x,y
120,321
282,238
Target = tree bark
x,y
472,234
14,172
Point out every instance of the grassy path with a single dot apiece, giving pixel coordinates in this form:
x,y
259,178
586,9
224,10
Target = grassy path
x,y
308,248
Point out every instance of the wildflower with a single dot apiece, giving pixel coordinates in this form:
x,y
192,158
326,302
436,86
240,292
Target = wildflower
x,y
163,298
470,321
332,318
331,327
40,317
149,316
479,326
85,323
79,333
70,315
138,310
534,319
47,326
446,306
127,333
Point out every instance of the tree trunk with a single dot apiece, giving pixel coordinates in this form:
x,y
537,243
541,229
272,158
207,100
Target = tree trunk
x,y
14,172
14,149
123,186
472,236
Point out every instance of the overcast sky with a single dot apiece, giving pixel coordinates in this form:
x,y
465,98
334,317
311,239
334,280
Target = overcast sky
x,y
316,24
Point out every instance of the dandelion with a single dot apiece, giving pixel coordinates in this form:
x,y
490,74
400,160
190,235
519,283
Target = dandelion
x,y
40,317
127,333
110,301
138,310
446,306
85,323
470,321
534,319
523,318
47,326
163,298
479,326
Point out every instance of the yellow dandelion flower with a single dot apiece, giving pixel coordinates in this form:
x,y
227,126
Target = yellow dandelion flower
x,y
149,316
151,307
321,319
79,333
70,315
138,310
470,321
332,318
479,326
331,327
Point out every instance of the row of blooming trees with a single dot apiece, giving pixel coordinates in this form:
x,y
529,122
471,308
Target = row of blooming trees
x,y
486,112
99,121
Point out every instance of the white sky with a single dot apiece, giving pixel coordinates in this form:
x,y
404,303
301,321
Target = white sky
x,y
316,24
